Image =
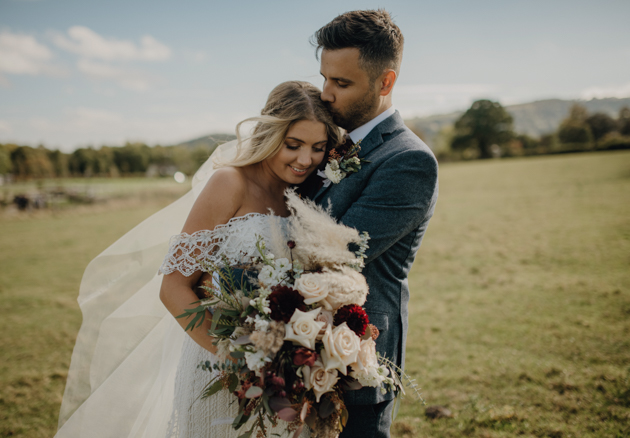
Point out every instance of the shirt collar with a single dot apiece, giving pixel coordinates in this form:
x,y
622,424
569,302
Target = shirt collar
x,y
362,131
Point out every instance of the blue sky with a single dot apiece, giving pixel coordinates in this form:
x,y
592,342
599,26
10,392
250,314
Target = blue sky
x,y
77,73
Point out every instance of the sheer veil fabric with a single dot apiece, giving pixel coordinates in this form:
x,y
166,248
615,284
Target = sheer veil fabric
x,y
124,363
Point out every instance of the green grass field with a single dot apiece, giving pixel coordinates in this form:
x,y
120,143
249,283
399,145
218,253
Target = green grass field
x,y
519,318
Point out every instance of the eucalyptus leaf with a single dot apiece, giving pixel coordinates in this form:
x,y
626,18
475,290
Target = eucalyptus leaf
x,y
232,382
213,389
254,392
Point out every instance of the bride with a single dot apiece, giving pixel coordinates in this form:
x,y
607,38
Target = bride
x,y
134,369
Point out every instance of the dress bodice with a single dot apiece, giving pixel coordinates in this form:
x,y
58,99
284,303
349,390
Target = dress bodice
x,y
234,240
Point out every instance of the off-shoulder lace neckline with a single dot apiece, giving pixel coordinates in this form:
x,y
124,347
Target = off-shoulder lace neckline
x,y
235,240
255,213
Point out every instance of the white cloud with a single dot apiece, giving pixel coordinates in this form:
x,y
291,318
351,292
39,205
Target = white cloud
x,y
130,79
602,92
85,42
427,99
22,54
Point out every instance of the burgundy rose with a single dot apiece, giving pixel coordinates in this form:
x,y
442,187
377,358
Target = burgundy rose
x,y
291,244
304,356
354,316
283,301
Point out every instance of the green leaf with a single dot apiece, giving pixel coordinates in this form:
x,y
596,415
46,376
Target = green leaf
x,y
214,388
197,319
215,319
265,402
237,421
231,312
397,402
232,382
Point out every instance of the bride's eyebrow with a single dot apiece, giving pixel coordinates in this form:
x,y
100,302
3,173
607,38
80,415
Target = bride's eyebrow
x,y
302,141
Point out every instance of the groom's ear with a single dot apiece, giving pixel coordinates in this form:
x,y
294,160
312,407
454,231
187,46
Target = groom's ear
x,y
387,81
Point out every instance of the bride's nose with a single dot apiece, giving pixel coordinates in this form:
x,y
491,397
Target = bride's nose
x,y
304,159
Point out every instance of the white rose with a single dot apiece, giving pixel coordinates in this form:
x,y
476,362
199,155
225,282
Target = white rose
x,y
318,379
326,317
345,286
341,347
310,286
367,355
303,329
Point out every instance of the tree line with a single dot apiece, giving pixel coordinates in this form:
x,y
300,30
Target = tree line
x,y
486,130
132,159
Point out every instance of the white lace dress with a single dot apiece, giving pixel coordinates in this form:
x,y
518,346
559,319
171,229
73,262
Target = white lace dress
x,y
193,417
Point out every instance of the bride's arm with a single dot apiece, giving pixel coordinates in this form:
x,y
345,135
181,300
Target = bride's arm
x,y
219,201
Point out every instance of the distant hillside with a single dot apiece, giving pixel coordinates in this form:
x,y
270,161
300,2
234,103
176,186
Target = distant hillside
x,y
209,142
535,118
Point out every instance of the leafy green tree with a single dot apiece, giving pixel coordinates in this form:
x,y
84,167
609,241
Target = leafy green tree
x,y
82,162
485,125
59,162
5,160
31,162
527,145
132,158
623,122
601,124
574,131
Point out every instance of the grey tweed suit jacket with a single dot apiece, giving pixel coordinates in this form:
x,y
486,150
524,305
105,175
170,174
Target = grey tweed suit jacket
x,y
392,198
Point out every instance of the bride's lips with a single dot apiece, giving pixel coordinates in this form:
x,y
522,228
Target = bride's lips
x,y
297,171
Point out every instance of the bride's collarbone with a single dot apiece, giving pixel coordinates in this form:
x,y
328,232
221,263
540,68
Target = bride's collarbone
x,y
258,200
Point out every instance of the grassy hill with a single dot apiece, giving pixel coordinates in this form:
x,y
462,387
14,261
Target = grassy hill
x,y
209,142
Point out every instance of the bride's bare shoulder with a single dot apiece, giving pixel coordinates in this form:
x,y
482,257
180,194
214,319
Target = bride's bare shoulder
x,y
220,199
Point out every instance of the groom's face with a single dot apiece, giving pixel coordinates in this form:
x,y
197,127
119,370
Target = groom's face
x,y
351,97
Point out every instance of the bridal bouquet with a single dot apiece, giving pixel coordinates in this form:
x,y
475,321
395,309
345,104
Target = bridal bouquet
x,y
291,331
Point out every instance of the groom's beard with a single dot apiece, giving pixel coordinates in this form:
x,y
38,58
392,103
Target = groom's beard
x,y
357,114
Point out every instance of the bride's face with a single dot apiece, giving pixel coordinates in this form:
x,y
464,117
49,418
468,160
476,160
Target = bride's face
x,y
303,150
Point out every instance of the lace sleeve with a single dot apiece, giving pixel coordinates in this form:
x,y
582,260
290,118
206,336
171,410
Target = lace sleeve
x,y
186,251
235,240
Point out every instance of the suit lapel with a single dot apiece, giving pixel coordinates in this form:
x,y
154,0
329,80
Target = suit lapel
x,y
373,140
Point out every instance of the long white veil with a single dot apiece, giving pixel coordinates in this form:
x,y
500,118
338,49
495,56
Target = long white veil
x,y
121,378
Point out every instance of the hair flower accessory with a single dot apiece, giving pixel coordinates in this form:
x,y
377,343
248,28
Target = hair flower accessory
x,y
342,161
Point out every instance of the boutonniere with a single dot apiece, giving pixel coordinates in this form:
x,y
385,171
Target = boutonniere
x,y
342,162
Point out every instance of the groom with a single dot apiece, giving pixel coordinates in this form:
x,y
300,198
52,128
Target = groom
x,y
392,196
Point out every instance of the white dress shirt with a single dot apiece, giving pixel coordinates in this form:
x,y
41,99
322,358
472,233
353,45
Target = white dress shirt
x,y
362,131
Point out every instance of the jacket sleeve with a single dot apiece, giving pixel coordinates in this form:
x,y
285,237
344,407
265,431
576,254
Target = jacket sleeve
x,y
399,196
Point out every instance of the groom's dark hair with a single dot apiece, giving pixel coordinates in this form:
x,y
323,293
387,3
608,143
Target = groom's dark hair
x,y
379,40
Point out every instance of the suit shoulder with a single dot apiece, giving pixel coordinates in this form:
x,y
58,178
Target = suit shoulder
x,y
404,144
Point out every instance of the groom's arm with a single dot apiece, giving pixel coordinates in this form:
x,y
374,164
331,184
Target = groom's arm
x,y
399,196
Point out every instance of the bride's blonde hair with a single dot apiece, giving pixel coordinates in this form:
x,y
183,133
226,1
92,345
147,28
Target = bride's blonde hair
x,y
287,104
